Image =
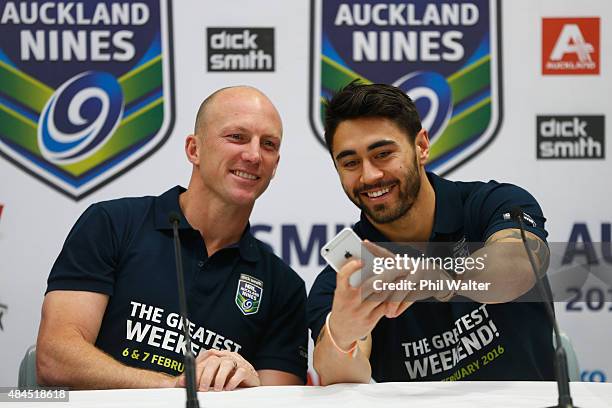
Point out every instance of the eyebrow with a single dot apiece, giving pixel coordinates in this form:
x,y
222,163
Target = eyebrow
x,y
381,143
345,153
234,129
241,129
371,147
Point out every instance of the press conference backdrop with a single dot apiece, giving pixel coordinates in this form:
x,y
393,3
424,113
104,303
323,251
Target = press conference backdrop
x,y
515,91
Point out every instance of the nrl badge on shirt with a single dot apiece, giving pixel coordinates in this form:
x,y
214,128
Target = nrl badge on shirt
x,y
248,294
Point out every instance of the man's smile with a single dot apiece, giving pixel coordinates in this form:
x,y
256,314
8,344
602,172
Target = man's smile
x,y
378,193
244,175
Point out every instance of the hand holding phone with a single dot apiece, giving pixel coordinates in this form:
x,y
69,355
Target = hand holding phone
x,y
346,247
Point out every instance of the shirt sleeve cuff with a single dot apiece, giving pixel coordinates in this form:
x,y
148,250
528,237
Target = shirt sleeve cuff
x,y
80,285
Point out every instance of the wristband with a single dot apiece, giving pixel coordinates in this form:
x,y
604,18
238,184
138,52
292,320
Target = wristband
x,y
352,351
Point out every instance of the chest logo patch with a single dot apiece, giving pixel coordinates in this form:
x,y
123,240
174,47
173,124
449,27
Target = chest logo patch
x,y
248,294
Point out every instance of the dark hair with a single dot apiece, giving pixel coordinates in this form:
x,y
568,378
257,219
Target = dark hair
x,y
359,100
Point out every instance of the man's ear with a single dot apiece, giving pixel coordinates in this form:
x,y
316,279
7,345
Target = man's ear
x,y
421,143
192,149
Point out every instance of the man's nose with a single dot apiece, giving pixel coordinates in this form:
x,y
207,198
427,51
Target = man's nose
x,y
252,152
370,174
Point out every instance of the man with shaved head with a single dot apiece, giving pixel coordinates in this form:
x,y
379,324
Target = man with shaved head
x,y
110,316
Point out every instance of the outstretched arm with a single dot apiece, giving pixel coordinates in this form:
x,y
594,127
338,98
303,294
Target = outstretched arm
x,y
506,266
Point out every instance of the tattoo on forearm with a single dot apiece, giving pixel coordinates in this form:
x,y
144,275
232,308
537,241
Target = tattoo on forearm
x,y
504,234
542,253
535,244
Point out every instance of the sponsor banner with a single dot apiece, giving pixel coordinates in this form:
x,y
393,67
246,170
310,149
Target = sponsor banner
x,y
570,137
298,244
240,49
85,88
585,269
570,46
446,56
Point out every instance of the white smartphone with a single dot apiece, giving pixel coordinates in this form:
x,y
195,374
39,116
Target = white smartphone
x,y
345,247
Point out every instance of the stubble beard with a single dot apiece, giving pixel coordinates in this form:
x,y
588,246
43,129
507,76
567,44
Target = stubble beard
x,y
384,213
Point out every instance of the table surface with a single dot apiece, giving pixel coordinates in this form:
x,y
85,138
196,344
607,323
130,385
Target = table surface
x,y
423,394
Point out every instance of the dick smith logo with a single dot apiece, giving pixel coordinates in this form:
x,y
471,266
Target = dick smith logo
x,y
570,137
240,49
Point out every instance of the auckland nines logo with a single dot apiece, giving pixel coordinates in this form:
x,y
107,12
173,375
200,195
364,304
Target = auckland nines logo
x,y
444,55
86,88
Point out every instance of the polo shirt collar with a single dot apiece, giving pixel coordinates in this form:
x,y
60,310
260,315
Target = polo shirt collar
x,y
448,215
368,231
168,202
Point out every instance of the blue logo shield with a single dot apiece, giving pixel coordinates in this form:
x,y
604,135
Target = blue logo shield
x,y
86,88
444,55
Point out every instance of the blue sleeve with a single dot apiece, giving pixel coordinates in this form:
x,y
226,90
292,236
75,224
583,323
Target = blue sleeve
x,y
284,344
320,301
88,259
488,210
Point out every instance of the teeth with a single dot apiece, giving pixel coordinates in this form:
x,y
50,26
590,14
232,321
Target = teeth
x,y
374,194
245,175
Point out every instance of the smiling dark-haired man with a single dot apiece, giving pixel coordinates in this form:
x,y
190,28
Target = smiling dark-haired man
x,y
110,315
435,332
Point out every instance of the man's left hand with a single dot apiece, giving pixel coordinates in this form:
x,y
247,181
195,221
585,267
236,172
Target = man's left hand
x,y
223,371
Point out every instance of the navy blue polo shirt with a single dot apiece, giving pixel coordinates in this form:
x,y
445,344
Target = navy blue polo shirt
x,y
435,341
243,298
